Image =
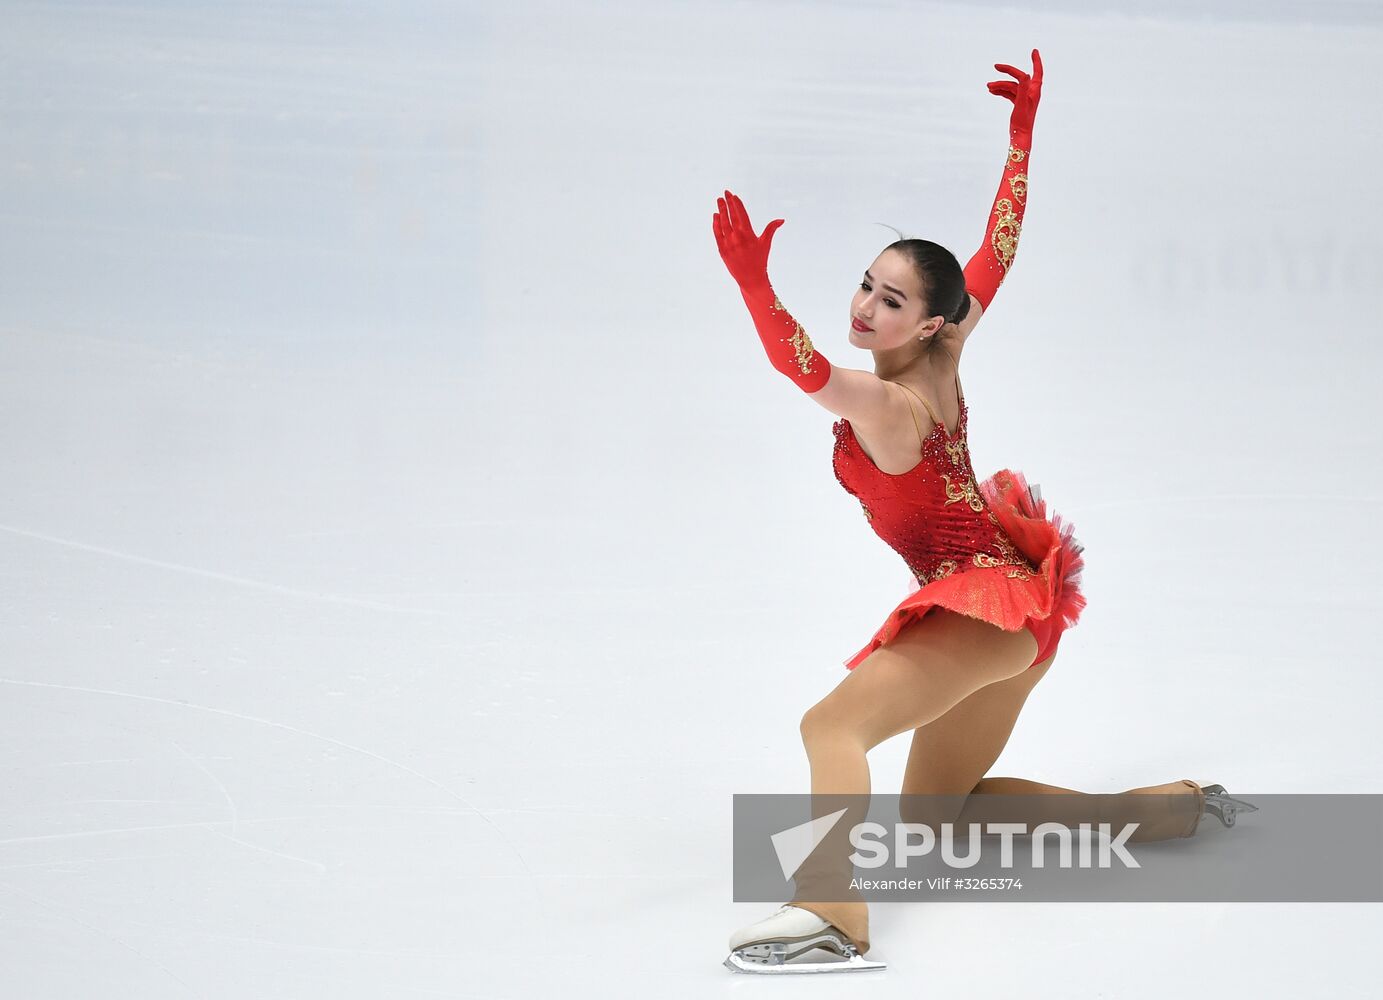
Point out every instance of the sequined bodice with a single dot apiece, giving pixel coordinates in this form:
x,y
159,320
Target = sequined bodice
x,y
933,515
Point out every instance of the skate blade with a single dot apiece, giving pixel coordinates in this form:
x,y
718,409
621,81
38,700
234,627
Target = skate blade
x,y
1217,793
738,962
1227,808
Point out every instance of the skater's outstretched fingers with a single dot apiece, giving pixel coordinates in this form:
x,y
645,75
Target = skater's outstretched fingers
x,y
745,254
732,230
1019,74
724,231
738,214
1025,93
727,237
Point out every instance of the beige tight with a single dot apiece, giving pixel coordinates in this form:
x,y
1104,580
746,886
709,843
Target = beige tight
x,y
959,684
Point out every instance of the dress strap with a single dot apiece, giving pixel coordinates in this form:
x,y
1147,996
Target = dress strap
x,y
930,411
920,437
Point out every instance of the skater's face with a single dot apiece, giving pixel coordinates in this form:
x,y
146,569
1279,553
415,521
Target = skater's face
x,y
889,302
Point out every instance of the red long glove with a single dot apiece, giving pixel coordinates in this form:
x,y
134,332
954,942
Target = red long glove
x,y
988,268
746,257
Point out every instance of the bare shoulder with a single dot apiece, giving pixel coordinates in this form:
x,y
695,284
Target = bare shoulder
x,y
860,397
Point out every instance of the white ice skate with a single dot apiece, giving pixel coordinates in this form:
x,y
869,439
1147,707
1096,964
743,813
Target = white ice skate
x,y
767,945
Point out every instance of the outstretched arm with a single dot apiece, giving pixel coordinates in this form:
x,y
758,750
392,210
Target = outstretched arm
x,y
859,396
989,266
789,348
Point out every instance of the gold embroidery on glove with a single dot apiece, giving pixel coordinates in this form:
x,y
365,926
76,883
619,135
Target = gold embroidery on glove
x,y
1018,184
801,343
1007,227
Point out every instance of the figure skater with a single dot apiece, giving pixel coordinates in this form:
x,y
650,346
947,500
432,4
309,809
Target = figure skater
x,y
996,580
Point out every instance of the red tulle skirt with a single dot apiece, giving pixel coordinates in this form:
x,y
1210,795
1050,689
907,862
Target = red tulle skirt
x,y
1046,602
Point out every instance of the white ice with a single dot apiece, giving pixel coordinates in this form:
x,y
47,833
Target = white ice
x,y
408,549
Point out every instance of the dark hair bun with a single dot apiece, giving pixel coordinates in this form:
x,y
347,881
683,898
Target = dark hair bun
x,y
964,309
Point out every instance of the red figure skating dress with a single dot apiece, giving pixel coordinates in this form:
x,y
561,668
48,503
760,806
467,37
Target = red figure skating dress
x,y
986,551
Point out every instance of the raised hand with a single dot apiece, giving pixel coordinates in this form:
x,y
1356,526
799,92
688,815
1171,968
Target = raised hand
x,y
789,348
1024,94
990,264
745,255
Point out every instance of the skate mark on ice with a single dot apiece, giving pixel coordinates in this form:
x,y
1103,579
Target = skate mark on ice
x,y
105,934
276,725
212,574
317,865
233,836
225,792
201,824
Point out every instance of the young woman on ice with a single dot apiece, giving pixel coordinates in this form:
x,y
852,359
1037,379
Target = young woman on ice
x,y
997,582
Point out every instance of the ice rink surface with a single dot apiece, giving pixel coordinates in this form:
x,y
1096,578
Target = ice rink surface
x,y
408,549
